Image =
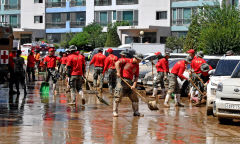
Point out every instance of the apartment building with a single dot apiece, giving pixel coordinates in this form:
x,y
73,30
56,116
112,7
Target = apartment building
x,y
64,17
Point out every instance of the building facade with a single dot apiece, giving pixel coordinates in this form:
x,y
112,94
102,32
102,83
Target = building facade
x,y
26,18
64,17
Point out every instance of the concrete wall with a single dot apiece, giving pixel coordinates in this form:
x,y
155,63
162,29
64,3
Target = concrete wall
x,y
29,9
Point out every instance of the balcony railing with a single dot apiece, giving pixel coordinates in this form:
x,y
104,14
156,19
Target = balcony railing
x,y
102,2
55,24
12,7
15,25
182,21
77,24
127,2
77,3
55,4
131,23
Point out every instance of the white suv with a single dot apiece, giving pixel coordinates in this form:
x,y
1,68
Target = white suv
x,y
223,71
227,104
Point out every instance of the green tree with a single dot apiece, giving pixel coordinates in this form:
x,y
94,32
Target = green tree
x,y
215,30
80,39
66,39
175,43
113,39
94,30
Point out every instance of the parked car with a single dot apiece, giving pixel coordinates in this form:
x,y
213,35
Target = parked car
x,y
222,72
227,103
116,52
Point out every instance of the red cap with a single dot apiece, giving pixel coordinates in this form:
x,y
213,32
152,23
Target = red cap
x,y
157,53
109,50
51,49
191,51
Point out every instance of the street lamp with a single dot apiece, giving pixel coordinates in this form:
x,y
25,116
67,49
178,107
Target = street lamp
x,y
141,33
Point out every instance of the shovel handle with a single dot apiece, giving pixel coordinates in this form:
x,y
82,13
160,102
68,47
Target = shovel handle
x,y
133,89
191,81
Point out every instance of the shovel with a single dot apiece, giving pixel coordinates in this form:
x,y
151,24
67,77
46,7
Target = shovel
x,y
191,81
152,105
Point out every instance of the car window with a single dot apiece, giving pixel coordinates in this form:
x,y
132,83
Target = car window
x,y
115,52
236,73
212,62
225,67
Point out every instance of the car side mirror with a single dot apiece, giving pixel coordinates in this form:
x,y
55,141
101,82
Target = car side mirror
x,y
211,72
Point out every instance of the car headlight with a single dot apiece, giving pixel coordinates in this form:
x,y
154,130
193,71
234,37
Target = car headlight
x,y
213,84
220,87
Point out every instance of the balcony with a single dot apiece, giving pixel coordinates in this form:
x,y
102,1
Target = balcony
x,y
77,24
55,24
131,22
102,2
181,22
15,25
12,7
55,4
74,3
127,2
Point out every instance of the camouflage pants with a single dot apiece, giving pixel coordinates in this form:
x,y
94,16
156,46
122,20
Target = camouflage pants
x,y
98,71
63,70
76,83
122,89
159,80
199,84
51,72
173,85
112,79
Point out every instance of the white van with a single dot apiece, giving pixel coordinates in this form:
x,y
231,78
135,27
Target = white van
x,y
227,104
223,71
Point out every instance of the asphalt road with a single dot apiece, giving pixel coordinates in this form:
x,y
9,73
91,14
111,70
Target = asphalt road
x,y
38,119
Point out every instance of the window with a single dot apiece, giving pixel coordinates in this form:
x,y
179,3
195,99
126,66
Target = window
x,y
161,15
103,18
187,15
38,1
80,16
174,16
128,16
68,16
56,17
114,15
38,19
225,67
13,20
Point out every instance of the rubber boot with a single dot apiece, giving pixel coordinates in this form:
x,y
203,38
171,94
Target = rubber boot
x,y
155,90
135,110
177,101
115,108
73,98
166,101
54,89
83,97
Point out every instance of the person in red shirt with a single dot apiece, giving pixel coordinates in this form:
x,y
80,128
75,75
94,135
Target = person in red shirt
x,y
191,53
196,74
12,80
162,67
110,66
63,65
30,67
75,66
50,62
130,73
98,61
177,72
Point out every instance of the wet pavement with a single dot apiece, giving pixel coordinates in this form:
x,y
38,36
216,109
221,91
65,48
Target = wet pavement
x,y
37,118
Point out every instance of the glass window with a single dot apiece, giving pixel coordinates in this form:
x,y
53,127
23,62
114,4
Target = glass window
x,y
187,15
114,15
174,16
80,17
128,40
236,73
56,17
13,20
38,1
68,16
128,16
103,18
225,67
38,19
161,15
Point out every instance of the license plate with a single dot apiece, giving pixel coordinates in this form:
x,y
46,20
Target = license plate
x,y
232,106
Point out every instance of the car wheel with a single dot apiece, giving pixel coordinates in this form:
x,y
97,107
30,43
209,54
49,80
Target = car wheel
x,y
224,120
209,111
185,89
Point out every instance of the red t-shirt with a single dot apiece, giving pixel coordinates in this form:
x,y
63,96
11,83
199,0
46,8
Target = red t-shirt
x,y
196,64
11,62
76,62
64,60
98,60
129,69
162,65
110,62
31,61
51,61
179,68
